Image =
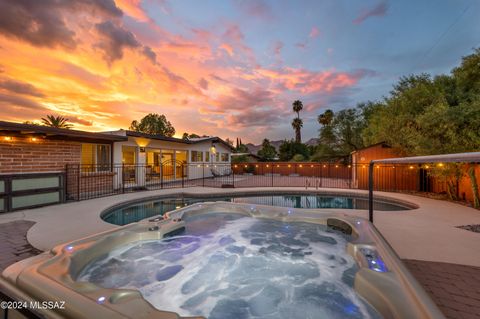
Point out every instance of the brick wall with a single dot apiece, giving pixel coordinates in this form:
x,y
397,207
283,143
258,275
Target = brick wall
x,y
22,155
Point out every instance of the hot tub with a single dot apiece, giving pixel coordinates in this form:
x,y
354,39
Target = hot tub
x,y
226,260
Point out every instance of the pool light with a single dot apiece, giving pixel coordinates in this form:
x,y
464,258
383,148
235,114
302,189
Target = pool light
x,y
101,300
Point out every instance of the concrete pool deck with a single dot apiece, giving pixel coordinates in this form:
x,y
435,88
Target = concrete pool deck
x,y
428,233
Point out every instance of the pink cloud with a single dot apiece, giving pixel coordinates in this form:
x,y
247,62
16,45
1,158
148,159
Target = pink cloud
x,y
315,32
305,81
227,48
378,11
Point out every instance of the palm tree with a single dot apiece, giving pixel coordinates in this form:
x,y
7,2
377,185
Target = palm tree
x,y
297,123
56,121
326,117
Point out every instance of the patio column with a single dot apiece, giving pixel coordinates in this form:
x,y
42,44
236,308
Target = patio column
x,y
140,167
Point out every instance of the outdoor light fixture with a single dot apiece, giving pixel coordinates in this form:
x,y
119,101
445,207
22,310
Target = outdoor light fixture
x,y
101,300
440,164
300,165
8,138
411,167
324,165
235,166
34,139
289,165
213,149
311,165
267,165
427,167
245,166
256,165
336,166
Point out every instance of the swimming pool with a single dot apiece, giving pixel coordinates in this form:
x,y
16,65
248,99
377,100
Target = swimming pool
x,y
134,212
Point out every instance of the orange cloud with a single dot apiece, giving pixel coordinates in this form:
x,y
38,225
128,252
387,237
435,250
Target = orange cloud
x,y
134,9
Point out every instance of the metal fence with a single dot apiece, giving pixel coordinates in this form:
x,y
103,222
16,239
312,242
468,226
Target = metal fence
x,y
91,181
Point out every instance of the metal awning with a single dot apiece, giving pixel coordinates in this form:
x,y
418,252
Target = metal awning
x,y
471,157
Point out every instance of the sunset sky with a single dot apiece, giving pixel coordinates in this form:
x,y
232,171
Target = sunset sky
x,y
230,68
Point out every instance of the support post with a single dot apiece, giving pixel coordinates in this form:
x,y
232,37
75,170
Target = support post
x,y
183,175
370,192
78,182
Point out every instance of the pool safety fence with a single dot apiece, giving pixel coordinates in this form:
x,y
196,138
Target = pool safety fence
x,y
91,181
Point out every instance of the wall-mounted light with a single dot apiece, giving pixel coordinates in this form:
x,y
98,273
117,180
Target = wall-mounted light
x,y
324,166
34,139
410,167
440,164
213,149
8,138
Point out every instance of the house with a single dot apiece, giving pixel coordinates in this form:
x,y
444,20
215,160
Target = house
x,y
245,157
41,165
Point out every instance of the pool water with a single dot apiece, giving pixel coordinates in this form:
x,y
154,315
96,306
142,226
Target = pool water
x,y
233,266
135,212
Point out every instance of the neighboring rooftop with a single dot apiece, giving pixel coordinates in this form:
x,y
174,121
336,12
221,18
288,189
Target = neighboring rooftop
x,y
20,129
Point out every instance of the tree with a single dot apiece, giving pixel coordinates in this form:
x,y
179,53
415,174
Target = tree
x,y
341,132
297,122
154,124
56,121
229,141
297,125
288,149
425,116
326,117
267,152
186,136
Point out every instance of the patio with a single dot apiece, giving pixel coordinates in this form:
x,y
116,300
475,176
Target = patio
x,y
442,257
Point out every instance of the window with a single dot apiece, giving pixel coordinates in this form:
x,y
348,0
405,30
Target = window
x,y
217,157
129,155
196,156
96,157
225,157
207,156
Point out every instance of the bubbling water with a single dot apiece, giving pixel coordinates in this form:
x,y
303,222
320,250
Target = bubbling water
x,y
231,266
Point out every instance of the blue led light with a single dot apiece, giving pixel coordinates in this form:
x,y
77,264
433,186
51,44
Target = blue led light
x,y
101,300
374,260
